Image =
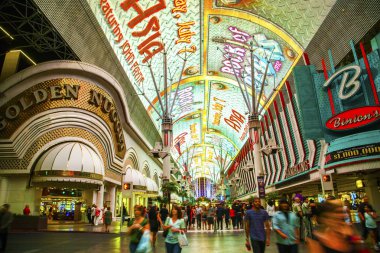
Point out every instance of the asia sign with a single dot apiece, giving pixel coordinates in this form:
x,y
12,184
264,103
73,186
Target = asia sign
x,y
354,152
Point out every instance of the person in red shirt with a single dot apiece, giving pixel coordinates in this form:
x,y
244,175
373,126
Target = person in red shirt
x,y
26,210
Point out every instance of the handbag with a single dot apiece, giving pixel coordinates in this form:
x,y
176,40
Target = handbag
x,y
166,232
144,245
182,240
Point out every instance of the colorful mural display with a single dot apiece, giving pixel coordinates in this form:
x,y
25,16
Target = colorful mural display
x,y
216,42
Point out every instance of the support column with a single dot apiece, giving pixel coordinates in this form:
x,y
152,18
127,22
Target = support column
x,y
112,192
167,143
254,133
3,190
10,65
100,197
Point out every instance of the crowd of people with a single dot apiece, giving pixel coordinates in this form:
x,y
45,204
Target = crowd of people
x,y
324,227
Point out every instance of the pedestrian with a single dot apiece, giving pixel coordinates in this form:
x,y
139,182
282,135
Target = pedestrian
x,y
97,215
88,212
175,224
333,233
93,212
370,223
164,212
107,217
26,210
286,225
210,217
227,216
297,210
6,218
271,211
220,216
255,220
361,212
125,214
233,217
306,212
154,221
136,227
198,213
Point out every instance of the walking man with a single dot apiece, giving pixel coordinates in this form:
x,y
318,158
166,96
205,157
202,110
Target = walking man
x,y
198,213
286,225
255,219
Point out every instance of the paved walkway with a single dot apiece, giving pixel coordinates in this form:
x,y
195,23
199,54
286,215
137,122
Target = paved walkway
x,y
58,242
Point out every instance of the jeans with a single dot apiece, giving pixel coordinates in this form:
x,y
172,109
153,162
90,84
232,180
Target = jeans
x,y
133,247
227,222
220,223
258,246
173,248
282,248
199,221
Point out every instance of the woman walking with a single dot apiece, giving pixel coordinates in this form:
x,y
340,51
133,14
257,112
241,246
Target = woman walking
x,y
175,224
136,227
154,221
107,218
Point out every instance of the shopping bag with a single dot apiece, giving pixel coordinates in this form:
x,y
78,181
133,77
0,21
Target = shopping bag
x,y
182,240
144,245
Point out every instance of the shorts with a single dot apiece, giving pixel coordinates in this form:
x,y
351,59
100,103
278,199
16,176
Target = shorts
x,y
210,220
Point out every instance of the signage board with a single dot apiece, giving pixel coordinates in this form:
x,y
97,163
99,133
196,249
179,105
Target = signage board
x,y
261,186
354,152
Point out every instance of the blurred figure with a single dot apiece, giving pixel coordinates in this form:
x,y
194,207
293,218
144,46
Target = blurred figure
x,y
220,216
306,211
93,211
6,218
107,216
26,210
154,221
210,217
333,233
88,212
136,227
164,212
297,210
255,220
198,213
361,211
347,212
286,225
370,223
271,211
125,214
227,212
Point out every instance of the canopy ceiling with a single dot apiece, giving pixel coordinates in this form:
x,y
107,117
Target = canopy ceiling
x,y
209,115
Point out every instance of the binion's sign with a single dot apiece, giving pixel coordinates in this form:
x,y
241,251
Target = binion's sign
x,y
352,118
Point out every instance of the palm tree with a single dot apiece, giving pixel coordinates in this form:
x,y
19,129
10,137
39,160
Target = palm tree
x,y
168,188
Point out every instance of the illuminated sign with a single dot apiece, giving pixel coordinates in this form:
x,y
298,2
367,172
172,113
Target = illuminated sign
x,y
139,33
354,152
297,169
354,118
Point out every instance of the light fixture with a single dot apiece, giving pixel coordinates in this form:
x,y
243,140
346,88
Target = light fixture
x,y
10,36
359,183
24,54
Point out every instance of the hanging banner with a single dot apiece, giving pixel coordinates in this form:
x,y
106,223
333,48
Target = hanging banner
x,y
261,186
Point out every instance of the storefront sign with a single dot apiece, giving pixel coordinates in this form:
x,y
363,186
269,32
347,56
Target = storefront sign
x,y
40,97
354,118
354,152
261,186
297,169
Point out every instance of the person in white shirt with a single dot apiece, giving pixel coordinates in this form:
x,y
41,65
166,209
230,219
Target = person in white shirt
x,y
271,211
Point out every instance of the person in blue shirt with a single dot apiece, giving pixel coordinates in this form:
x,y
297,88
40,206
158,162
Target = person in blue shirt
x,y
286,225
255,219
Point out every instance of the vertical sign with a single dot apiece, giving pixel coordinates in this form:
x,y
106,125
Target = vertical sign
x,y
261,186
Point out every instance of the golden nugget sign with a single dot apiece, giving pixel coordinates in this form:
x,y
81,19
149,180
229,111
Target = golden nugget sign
x,y
33,98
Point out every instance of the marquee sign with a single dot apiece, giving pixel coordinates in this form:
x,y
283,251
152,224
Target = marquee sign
x,y
354,152
354,118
